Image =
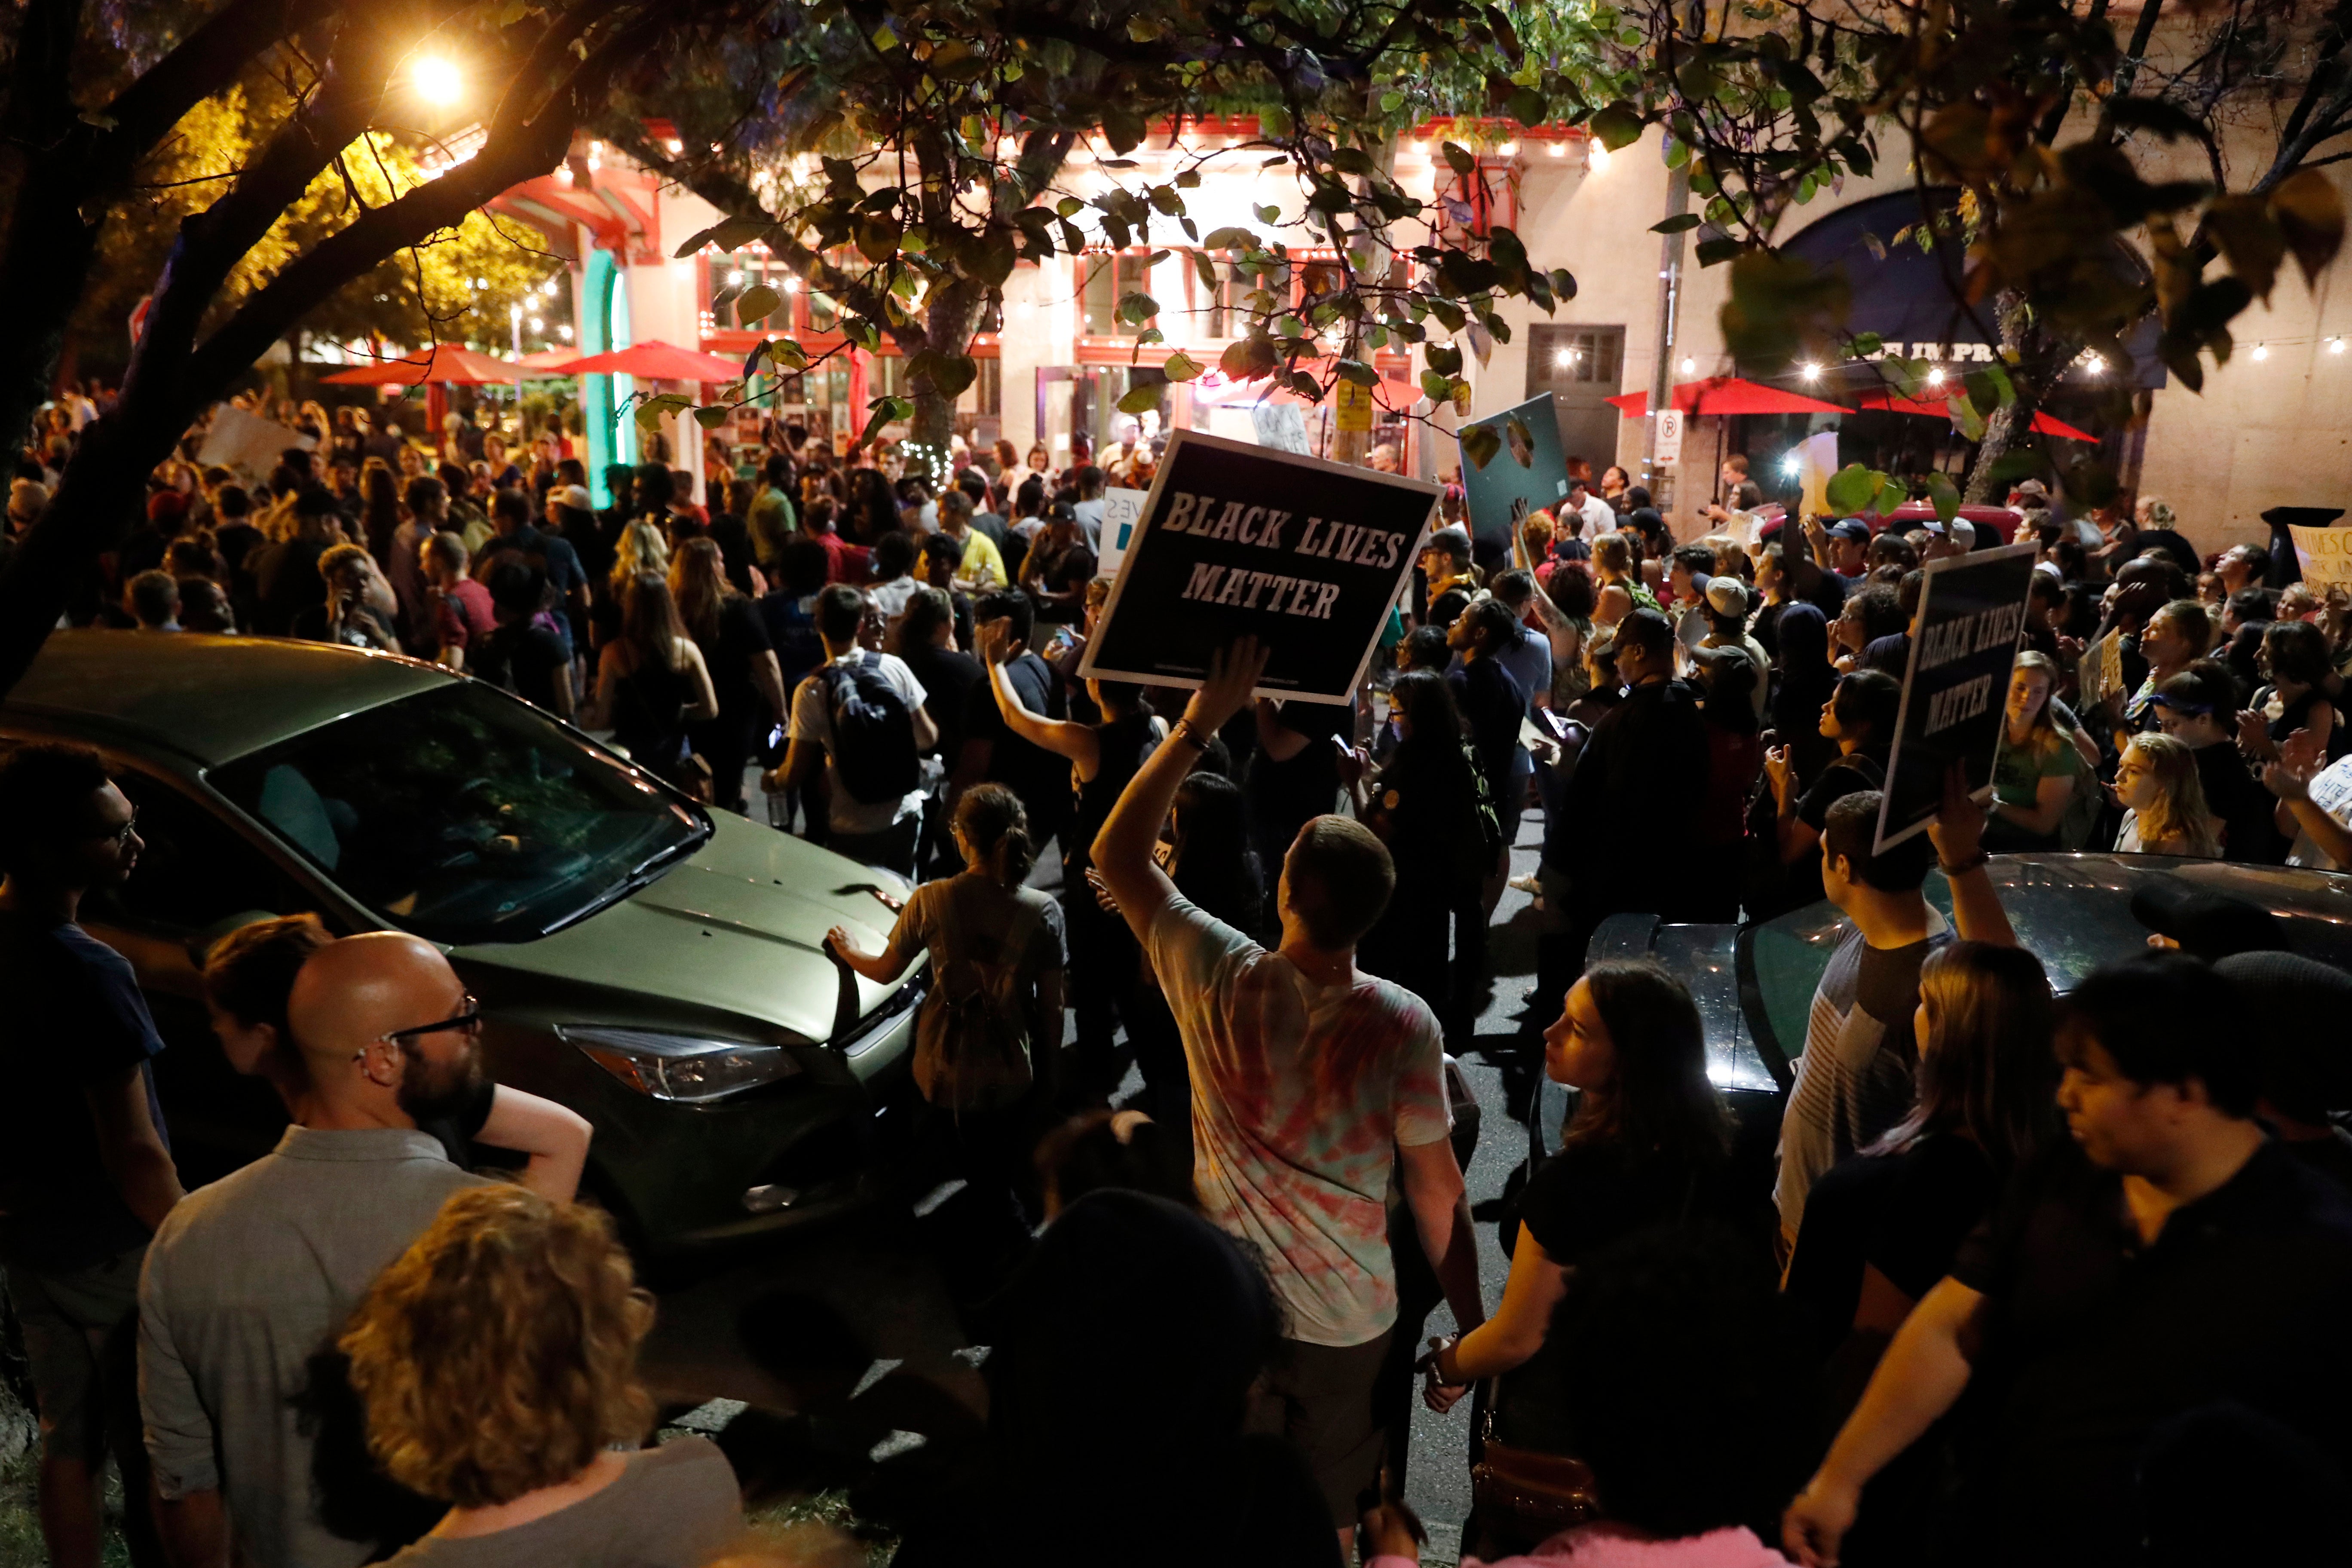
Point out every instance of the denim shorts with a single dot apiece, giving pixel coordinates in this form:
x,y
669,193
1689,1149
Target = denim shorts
x,y
82,1328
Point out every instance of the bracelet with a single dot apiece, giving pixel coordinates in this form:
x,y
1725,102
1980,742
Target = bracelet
x,y
1185,732
1974,861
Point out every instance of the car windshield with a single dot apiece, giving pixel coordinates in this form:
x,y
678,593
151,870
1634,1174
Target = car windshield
x,y
463,815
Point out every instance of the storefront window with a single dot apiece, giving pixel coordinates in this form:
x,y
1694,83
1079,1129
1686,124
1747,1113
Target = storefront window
x,y
1110,280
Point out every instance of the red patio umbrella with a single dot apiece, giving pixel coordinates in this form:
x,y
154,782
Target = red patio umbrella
x,y
2043,424
549,362
656,361
447,364
1729,394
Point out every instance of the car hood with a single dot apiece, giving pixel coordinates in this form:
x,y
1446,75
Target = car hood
x,y
736,928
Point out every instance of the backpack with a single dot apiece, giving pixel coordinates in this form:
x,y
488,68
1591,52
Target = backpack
x,y
873,733
971,1039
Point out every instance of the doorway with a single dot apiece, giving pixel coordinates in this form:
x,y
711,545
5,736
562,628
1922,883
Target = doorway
x,y
1579,366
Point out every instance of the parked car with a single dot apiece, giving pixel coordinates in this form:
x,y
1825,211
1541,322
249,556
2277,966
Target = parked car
x,y
656,966
1755,982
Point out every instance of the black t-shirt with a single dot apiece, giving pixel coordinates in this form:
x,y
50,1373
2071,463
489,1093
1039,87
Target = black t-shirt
x,y
1647,762
1040,778
1284,795
2092,1338
947,678
2247,809
527,659
1591,1193
1493,704
742,638
76,1019
1904,1214
286,582
1850,774
458,1132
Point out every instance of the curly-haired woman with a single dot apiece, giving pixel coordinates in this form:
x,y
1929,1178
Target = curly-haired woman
x,y
498,1359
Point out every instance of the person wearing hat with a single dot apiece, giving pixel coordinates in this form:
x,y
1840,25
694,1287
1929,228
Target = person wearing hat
x,y
1687,575
1448,577
1726,606
1844,547
2306,1070
2198,708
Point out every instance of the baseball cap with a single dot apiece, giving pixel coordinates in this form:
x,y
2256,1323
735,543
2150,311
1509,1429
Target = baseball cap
x,y
2032,488
1727,595
1852,527
2210,926
576,497
1964,533
2307,1067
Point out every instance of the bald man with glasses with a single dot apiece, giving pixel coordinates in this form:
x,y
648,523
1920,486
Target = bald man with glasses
x,y
248,1281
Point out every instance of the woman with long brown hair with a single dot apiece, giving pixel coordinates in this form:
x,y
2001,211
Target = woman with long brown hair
x,y
652,683
1650,1145
733,638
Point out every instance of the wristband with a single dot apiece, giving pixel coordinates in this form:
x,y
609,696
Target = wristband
x,y
1973,862
1185,732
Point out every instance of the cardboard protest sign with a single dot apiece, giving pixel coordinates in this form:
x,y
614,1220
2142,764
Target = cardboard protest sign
x,y
2326,554
2331,791
1120,509
246,443
1955,686
1238,540
1525,473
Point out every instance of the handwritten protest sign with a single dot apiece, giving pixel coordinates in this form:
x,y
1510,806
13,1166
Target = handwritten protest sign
x,y
1120,509
1955,686
2326,554
1234,539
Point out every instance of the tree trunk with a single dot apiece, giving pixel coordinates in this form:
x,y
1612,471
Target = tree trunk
x,y
950,316
2036,360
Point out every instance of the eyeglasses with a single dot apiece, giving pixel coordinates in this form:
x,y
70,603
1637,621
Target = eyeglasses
x,y
469,1022
119,837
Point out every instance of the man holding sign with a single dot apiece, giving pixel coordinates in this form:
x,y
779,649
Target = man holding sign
x,y
1236,540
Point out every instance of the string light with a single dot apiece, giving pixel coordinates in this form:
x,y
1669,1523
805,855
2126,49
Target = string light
x,y
1596,156
1690,367
2095,364
2262,351
2336,345
1935,376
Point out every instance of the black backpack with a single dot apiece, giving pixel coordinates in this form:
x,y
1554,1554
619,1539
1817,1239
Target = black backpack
x,y
873,733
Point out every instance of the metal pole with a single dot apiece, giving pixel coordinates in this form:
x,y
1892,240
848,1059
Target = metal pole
x,y
514,319
1662,381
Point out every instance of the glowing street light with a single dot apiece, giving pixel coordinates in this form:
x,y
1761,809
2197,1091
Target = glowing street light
x,y
1935,376
436,81
1596,156
2262,351
1812,371
1690,367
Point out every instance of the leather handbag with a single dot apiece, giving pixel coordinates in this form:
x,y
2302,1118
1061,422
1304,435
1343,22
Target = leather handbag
x,y
1525,1496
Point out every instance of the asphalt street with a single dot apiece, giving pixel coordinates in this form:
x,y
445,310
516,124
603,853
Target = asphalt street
x,y
844,1345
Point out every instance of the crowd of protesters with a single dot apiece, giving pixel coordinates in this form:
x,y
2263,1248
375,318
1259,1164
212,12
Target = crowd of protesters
x,y
2030,1279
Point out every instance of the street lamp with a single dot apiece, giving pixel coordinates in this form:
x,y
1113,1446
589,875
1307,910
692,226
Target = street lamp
x,y
436,81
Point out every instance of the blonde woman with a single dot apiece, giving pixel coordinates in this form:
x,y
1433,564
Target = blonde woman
x,y
1621,590
641,550
496,1359
2163,801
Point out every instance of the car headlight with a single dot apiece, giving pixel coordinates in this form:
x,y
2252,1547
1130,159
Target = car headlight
x,y
682,1068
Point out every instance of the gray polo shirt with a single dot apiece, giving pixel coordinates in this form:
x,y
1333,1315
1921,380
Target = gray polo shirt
x,y
247,1280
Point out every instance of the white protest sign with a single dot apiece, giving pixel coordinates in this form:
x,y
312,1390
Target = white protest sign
x,y
246,443
2331,791
2326,554
1120,510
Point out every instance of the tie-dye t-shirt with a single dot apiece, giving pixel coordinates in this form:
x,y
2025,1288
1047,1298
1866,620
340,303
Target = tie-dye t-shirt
x,y
1300,1094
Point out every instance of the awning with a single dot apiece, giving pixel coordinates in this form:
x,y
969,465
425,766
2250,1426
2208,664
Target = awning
x,y
549,362
1728,394
448,364
2043,424
654,360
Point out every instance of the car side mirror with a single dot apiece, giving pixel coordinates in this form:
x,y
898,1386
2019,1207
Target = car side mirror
x,y
202,941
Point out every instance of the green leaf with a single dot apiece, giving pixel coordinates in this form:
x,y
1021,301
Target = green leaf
x,y
1435,387
1141,399
1851,488
1459,158
1069,207
2019,463
1676,224
1356,372
711,418
1182,366
1618,125
1267,214
1138,308
1946,497
758,303
1444,358
1479,445
885,41
1711,251
1866,344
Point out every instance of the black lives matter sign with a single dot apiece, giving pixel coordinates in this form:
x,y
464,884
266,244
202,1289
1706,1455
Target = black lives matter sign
x,y
1236,540
1955,686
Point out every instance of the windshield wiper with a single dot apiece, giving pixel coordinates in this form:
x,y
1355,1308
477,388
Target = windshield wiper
x,y
645,872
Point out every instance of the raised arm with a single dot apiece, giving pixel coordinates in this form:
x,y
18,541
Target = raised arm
x,y
555,1139
1078,743
1122,851
1957,834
